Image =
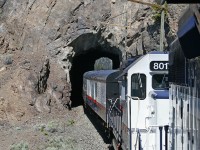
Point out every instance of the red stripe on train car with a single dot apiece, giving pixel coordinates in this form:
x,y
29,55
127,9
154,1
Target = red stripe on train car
x,y
96,102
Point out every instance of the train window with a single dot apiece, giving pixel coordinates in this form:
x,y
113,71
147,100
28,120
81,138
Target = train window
x,y
95,92
92,89
88,88
138,86
160,81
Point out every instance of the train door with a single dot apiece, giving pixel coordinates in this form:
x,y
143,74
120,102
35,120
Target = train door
x,y
137,109
123,102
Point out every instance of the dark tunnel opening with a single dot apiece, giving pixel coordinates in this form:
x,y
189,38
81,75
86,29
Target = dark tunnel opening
x,y
82,63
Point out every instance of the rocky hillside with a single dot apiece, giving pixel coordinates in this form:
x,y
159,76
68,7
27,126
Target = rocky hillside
x,y
46,46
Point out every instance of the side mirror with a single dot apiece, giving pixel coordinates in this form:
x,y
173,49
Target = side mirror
x,y
152,94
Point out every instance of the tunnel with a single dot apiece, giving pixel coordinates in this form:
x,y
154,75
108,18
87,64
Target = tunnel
x,y
83,62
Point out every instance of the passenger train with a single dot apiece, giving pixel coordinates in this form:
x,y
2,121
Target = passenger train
x,y
134,103
153,102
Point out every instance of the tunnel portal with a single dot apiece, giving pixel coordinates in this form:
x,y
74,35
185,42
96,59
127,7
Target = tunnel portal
x,y
82,63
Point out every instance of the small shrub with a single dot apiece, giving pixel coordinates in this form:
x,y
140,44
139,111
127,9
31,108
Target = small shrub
x,y
40,127
158,10
71,122
52,127
59,143
20,146
49,127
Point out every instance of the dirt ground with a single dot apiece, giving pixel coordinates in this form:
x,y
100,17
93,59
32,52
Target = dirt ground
x,y
32,121
59,130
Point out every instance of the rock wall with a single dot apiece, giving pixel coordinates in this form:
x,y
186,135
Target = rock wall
x,y
33,30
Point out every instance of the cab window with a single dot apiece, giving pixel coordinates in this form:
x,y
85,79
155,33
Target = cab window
x,y
160,81
138,86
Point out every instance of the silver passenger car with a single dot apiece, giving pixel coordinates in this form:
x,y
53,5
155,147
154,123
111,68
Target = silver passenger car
x,y
100,89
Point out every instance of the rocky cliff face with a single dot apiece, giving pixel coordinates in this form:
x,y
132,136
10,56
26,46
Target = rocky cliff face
x,y
46,46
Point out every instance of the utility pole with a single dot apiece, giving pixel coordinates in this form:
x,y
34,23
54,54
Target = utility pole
x,y
162,30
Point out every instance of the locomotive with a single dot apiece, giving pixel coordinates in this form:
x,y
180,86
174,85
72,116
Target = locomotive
x,y
134,102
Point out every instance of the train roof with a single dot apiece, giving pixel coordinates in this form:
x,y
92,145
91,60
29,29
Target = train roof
x,y
138,59
157,52
126,69
102,75
129,61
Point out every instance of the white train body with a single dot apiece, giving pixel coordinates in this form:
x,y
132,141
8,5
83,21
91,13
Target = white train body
x,y
134,103
149,111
